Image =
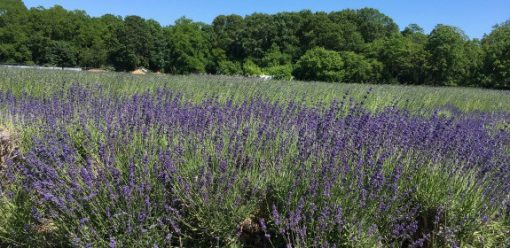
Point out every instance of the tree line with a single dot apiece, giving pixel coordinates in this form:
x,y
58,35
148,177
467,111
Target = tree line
x,y
362,46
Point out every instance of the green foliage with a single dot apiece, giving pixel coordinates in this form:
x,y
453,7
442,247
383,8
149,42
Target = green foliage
x,y
8,6
402,58
374,25
131,44
320,64
281,72
358,69
124,59
188,47
226,35
13,37
274,57
346,20
258,34
17,225
331,66
496,47
332,32
59,37
251,69
447,62
227,67
156,46
450,200
64,55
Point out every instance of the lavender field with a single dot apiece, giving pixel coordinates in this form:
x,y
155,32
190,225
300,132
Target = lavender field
x,y
115,160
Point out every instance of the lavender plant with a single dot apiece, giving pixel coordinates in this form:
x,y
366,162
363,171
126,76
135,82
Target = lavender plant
x,y
416,99
159,169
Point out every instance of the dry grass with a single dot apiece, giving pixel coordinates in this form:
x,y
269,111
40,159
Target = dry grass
x,y
8,148
138,72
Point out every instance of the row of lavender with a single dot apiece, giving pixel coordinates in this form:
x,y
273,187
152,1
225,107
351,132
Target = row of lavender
x,y
156,170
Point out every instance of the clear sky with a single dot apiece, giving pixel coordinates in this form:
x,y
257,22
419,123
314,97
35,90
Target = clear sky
x,y
475,17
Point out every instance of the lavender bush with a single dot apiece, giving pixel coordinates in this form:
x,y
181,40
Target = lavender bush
x,y
155,169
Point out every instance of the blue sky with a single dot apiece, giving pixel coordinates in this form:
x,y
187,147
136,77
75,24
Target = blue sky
x,y
474,17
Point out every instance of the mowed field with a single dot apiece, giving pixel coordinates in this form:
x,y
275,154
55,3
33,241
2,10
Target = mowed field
x,y
120,160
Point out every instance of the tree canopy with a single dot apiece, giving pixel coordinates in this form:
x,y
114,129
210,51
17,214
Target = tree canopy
x,y
496,64
349,45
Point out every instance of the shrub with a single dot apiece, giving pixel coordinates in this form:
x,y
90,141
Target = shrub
x,y
281,72
228,67
251,69
358,69
321,65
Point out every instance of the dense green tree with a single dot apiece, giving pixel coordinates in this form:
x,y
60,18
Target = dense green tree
x,y
13,35
135,36
188,47
447,63
334,31
287,39
227,35
320,31
140,42
415,33
54,34
281,72
227,67
358,69
216,57
274,57
320,64
403,59
251,69
156,46
121,53
374,25
106,42
473,54
95,39
258,34
496,64
40,49
123,58
352,39
14,7
361,45
63,54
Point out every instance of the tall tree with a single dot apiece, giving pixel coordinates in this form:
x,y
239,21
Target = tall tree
x,y
358,46
320,64
131,44
358,69
227,35
92,42
287,25
156,46
447,61
63,54
415,33
496,64
321,30
188,47
352,39
53,31
374,25
258,35
13,32
403,59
